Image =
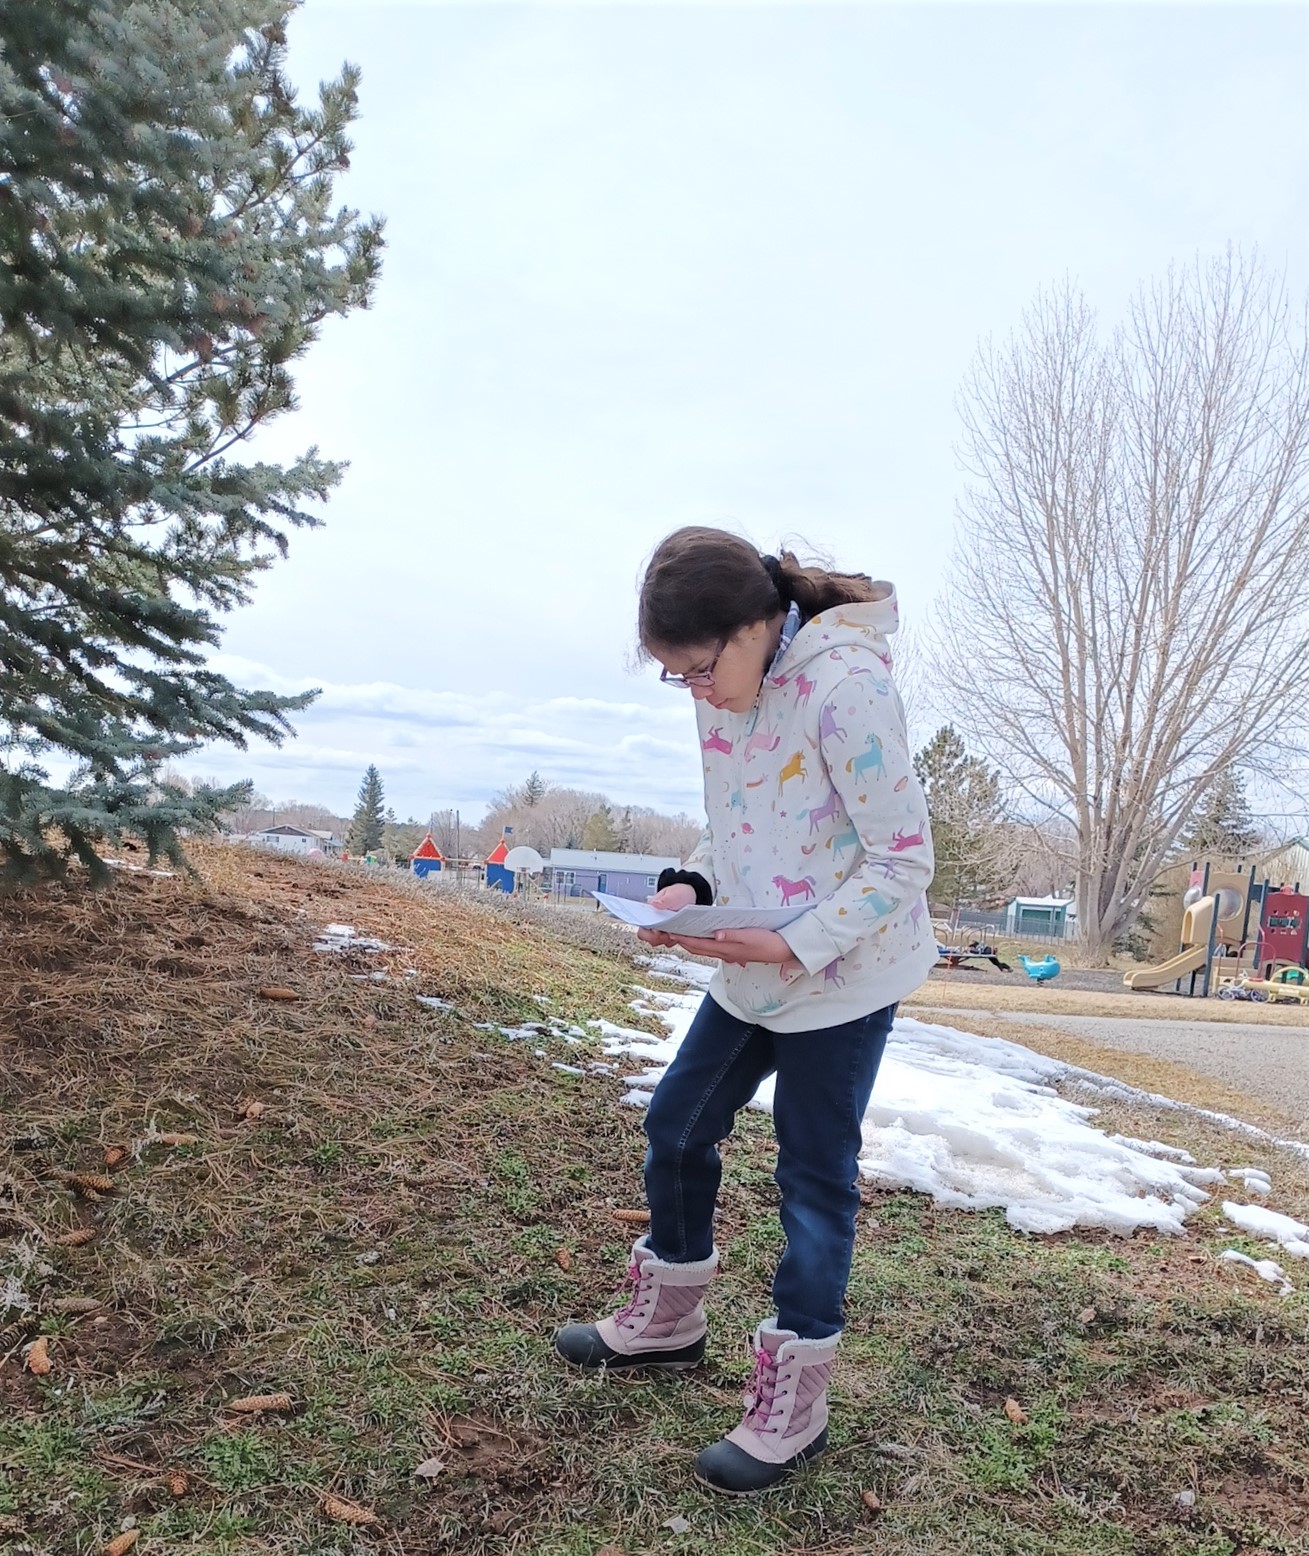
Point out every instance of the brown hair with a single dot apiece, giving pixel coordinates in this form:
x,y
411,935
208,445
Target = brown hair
x,y
705,584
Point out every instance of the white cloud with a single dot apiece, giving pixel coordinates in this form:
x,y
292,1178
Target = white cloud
x,y
437,750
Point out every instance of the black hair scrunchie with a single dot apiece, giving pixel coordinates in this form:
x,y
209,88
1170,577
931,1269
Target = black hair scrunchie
x,y
774,570
704,895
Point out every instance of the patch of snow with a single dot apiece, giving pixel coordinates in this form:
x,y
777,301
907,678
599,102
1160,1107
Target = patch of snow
x,y
431,999
680,968
1254,1180
138,869
976,1123
1155,1148
1293,1235
342,937
568,1069
1266,1269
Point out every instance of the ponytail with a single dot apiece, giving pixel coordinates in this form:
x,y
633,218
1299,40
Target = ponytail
x,y
815,589
702,585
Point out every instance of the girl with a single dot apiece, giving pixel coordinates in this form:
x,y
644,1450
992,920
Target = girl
x,y
811,800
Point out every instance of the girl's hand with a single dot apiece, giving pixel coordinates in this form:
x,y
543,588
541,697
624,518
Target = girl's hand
x,y
669,899
738,946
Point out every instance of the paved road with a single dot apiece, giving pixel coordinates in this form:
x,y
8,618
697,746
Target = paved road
x,y
1271,1063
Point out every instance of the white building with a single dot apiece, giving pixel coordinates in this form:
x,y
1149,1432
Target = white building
x,y
295,840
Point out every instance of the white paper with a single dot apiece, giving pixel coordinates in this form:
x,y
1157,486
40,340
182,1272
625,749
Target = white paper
x,y
695,920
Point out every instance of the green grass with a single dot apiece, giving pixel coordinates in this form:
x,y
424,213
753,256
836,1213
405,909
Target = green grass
x,y
388,1243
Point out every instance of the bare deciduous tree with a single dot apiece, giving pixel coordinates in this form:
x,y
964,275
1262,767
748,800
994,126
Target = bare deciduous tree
x,y
1126,616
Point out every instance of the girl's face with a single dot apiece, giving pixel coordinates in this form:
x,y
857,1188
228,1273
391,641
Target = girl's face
x,y
736,668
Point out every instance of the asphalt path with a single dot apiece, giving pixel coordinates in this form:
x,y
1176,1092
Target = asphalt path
x,y
1271,1063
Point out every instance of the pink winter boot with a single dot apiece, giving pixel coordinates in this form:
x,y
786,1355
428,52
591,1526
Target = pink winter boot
x,y
661,1325
785,1422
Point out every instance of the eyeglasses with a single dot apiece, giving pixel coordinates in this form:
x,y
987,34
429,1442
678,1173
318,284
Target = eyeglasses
x,y
700,677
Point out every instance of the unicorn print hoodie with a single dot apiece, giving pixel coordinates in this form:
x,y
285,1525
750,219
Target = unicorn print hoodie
x,y
811,799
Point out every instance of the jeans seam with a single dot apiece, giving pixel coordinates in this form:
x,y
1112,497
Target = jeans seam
x,y
691,1121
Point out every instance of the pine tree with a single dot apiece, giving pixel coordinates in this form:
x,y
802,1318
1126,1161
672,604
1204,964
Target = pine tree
x,y
168,249
1224,827
963,799
400,838
534,790
369,822
600,833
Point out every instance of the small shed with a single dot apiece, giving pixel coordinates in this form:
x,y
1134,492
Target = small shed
x,y
427,859
1049,916
498,876
573,872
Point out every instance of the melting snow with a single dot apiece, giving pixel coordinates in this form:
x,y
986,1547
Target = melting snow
x,y
342,937
1291,1234
138,869
1266,1269
976,1123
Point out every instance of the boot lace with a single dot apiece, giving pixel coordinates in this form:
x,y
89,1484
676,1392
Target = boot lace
x,y
760,1398
636,1279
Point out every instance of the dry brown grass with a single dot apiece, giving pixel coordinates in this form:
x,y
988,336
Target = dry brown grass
x,y
363,1209
944,991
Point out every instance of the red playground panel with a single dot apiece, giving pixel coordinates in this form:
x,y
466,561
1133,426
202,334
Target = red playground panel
x,y
1284,929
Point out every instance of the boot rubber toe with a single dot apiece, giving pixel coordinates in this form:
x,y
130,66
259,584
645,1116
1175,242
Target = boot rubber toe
x,y
728,1468
582,1345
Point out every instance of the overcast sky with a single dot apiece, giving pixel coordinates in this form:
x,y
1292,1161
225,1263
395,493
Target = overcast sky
x,y
659,264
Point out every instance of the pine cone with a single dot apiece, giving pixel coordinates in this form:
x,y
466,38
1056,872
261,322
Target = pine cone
x,y
75,1305
38,1357
348,1512
15,1333
250,1404
77,1238
88,1184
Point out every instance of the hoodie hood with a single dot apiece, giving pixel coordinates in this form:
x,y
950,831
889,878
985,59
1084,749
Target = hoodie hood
x,y
867,625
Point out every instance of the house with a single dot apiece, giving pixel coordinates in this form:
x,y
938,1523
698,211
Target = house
x,y
1055,917
1289,866
296,840
573,872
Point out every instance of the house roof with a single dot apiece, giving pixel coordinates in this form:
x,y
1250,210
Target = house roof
x,y
286,830
427,849
591,859
1040,902
499,853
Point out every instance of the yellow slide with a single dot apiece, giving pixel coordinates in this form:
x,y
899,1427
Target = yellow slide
x,y
1188,961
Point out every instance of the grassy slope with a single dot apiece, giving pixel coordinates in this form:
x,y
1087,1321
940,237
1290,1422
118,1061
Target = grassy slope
x,y
393,1238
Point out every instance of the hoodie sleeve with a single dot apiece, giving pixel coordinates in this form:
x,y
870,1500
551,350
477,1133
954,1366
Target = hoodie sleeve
x,y
867,760
701,862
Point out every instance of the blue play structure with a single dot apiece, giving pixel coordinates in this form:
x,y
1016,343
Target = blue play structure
x,y
1042,969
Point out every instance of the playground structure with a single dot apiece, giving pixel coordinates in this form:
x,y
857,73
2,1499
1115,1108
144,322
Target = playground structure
x,y
1237,932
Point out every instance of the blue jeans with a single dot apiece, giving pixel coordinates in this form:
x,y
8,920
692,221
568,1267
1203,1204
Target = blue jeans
x,y
824,1080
